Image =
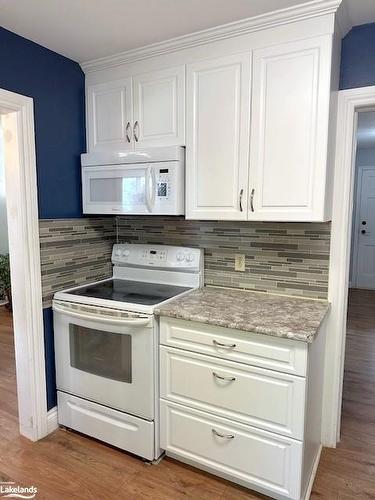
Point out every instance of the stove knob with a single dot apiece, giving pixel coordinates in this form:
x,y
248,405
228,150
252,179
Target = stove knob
x,y
190,257
180,257
118,253
126,253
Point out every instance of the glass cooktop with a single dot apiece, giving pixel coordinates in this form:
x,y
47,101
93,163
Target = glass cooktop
x,y
133,292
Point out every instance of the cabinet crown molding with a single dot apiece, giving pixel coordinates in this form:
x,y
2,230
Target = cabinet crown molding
x,y
300,12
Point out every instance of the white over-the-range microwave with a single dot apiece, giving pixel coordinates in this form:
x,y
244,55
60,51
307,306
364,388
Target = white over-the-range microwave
x,y
149,182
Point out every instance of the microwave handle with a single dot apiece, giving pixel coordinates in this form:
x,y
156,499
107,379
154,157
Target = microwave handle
x,y
103,319
150,188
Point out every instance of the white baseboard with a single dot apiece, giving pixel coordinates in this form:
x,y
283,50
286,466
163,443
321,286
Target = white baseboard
x,y
313,473
52,423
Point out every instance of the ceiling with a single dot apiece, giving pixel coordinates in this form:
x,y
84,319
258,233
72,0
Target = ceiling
x,y
89,29
366,130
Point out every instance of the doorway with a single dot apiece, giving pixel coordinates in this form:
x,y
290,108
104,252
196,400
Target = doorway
x,y
355,447
362,269
8,385
20,193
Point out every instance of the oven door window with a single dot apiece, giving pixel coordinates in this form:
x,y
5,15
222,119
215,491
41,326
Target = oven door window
x,y
101,353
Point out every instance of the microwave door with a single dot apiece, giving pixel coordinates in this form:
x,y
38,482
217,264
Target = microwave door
x,y
116,189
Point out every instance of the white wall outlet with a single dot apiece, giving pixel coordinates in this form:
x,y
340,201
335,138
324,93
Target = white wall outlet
x,y
239,262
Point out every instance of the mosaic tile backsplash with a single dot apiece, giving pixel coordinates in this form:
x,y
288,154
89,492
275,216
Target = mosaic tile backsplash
x,y
74,252
283,258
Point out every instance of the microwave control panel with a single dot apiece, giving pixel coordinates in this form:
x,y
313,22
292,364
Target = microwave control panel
x,y
163,189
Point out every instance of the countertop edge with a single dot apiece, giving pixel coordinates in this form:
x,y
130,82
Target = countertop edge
x,y
307,338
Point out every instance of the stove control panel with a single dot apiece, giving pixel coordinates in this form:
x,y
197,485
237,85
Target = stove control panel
x,y
160,256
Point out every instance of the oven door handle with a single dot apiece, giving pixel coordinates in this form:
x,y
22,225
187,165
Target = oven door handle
x,y
103,319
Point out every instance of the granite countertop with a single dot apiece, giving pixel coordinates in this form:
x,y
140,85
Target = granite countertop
x,y
276,315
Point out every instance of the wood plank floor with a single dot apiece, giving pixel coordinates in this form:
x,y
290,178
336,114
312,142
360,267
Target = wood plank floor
x,y
66,465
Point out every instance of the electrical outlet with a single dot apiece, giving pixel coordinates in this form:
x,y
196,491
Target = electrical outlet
x,y
239,262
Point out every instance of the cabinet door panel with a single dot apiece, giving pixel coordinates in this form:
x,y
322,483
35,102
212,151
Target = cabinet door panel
x,y
159,108
289,130
257,459
108,113
218,109
263,398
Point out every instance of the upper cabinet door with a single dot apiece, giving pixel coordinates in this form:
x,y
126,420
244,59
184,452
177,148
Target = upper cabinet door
x,y
159,108
290,113
109,116
217,140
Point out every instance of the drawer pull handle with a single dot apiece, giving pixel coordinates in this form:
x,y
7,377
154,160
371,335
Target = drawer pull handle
x,y
229,379
221,435
227,346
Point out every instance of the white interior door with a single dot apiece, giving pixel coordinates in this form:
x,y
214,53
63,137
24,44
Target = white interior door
x,y
109,116
364,236
159,108
217,138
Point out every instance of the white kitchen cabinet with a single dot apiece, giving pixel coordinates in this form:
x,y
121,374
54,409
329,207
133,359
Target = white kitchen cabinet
x,y
137,112
217,140
231,411
159,108
110,116
289,133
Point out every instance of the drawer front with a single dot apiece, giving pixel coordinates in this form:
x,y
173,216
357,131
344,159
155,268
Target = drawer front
x,y
284,355
111,426
258,459
262,398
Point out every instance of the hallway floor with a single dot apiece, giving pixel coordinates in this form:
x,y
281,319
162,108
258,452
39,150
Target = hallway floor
x,y
66,465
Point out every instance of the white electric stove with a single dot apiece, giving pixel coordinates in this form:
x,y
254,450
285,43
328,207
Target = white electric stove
x,y
106,345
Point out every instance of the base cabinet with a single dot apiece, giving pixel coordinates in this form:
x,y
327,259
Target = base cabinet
x,y
258,427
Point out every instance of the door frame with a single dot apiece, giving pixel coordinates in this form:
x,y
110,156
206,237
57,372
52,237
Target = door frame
x,y
349,103
23,227
358,174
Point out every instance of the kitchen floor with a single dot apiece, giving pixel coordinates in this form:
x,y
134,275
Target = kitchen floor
x,y
67,465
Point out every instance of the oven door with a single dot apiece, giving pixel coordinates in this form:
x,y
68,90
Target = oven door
x,y
106,356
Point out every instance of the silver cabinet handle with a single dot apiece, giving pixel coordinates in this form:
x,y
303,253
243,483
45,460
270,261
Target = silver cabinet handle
x,y
252,200
241,193
128,132
222,435
228,379
227,346
135,127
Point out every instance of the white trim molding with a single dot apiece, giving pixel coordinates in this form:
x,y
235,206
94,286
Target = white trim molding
x,y
52,420
349,103
280,17
17,115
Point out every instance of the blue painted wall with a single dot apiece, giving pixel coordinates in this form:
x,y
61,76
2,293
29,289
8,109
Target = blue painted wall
x,y
358,57
57,86
50,357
